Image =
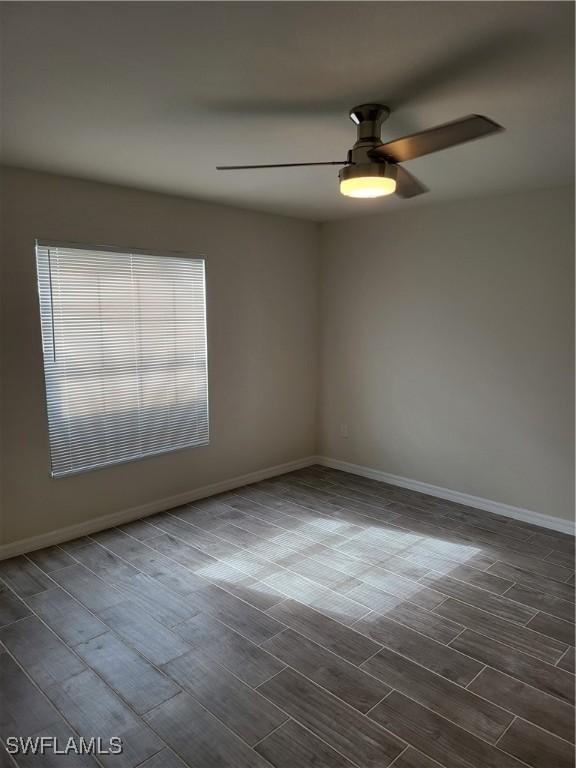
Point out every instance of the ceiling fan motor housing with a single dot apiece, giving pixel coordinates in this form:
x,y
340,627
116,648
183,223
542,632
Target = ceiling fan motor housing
x,y
368,118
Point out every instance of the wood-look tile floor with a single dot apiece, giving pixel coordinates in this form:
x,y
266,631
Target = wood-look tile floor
x,y
315,619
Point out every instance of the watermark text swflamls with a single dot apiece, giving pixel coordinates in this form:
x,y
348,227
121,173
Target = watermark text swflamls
x,y
43,745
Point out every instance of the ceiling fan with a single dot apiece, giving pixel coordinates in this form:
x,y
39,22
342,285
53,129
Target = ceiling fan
x,y
372,168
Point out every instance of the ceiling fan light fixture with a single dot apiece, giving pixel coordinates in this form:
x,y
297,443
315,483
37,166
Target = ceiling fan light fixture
x,y
373,169
368,180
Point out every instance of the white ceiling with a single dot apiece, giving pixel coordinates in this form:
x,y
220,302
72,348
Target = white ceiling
x,y
155,94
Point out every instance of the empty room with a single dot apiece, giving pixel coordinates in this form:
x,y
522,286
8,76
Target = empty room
x,y
287,384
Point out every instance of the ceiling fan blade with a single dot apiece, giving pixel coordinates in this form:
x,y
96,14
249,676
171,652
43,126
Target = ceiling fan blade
x,y
408,185
435,139
275,165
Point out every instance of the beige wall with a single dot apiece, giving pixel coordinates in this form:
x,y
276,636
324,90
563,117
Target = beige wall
x,y
447,346
262,330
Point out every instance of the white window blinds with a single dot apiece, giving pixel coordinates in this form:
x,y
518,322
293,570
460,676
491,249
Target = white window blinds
x,y
124,343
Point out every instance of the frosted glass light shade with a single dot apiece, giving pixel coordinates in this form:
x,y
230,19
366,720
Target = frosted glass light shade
x,y
368,186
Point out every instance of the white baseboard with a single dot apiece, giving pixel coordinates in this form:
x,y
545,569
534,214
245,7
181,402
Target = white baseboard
x,y
134,513
526,515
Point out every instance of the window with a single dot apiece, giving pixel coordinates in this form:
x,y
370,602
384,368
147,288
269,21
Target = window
x,y
124,344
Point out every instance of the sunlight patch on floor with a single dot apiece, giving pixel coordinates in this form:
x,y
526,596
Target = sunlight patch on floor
x,y
265,567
